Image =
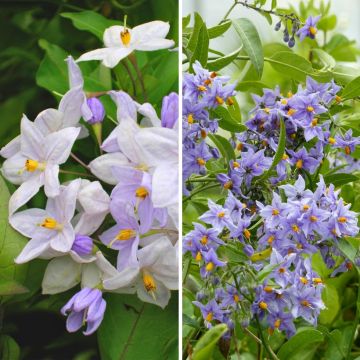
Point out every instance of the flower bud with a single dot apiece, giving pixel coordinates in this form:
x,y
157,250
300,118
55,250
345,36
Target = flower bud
x,y
97,109
170,110
291,42
278,26
82,245
286,35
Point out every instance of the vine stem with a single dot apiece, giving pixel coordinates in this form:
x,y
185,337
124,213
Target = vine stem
x,y
76,173
264,342
79,161
199,191
134,63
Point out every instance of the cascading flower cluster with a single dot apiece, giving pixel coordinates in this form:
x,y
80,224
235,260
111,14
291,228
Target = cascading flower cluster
x,y
278,213
141,218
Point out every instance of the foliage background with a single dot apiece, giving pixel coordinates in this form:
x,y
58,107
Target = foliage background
x,y
36,37
332,55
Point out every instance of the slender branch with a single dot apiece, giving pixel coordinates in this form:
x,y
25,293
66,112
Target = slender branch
x,y
134,63
76,173
124,63
79,161
200,190
266,345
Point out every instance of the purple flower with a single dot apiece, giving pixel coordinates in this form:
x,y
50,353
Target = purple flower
x,y
170,110
343,221
347,142
97,110
309,29
283,322
211,311
211,263
82,245
302,160
194,160
297,191
217,216
86,306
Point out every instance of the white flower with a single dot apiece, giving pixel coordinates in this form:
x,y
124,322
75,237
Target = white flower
x,y
50,230
120,42
156,276
37,162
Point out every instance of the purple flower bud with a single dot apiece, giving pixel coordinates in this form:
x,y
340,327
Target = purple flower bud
x,y
291,42
82,245
97,109
170,110
278,26
248,250
286,35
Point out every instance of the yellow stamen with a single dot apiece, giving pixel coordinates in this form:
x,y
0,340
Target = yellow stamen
x,y
277,323
291,112
141,192
198,256
209,267
149,282
293,135
236,298
219,100
263,305
32,165
221,214
342,219
332,141
228,185
270,239
284,101
285,157
282,270
268,289
125,37
299,164
338,98
314,122
52,224
303,280
204,240
240,146
275,212
190,119
236,165
289,94
246,233
267,110
313,218
203,133
295,228
213,75
201,88
229,101
207,82
306,207
317,281
312,30
201,161
305,303
309,109
347,150
209,316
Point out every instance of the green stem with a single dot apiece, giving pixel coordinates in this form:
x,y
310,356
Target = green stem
x,y
200,190
76,173
262,337
229,12
79,161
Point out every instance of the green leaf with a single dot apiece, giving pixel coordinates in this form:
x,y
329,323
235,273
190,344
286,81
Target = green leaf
x,y
186,21
9,349
227,122
330,297
224,146
11,243
201,49
132,329
205,346
251,42
195,33
221,62
218,30
291,65
327,23
327,60
90,21
279,152
52,73
340,179
352,89
301,346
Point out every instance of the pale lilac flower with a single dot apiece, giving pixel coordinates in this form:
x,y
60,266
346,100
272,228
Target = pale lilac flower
x,y
309,29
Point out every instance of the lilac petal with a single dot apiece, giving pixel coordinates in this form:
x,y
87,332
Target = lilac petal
x,y
84,301
93,325
146,214
96,310
74,321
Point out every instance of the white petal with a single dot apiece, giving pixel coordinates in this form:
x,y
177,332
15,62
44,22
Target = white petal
x,y
88,224
150,254
63,240
165,189
27,222
102,165
110,56
152,29
154,44
75,76
126,106
13,169
52,183
161,294
11,148
123,279
112,36
49,120
32,140
25,192
33,249
159,145
58,145
150,115
82,259
93,198
71,107
110,144
91,275
65,203
127,142
61,274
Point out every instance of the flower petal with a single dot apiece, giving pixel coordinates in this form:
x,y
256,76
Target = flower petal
x,y
32,140
75,76
154,44
11,148
33,249
52,183
110,56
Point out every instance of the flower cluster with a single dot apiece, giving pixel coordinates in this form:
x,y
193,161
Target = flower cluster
x,y
202,92
276,215
120,240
